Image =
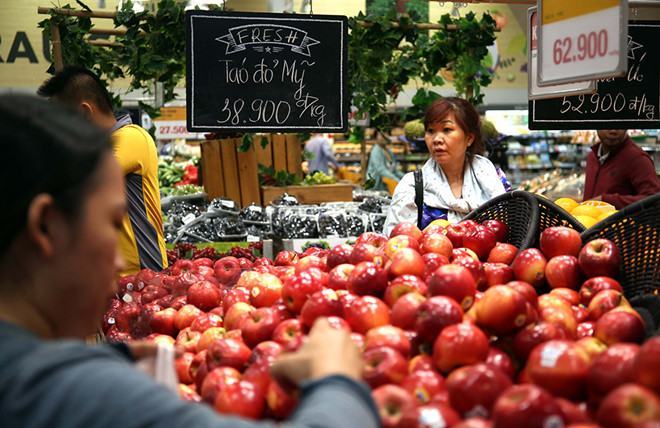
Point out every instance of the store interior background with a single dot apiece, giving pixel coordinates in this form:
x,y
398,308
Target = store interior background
x,y
24,61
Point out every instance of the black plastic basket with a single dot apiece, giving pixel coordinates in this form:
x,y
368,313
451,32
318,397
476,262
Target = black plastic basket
x,y
552,215
636,232
518,210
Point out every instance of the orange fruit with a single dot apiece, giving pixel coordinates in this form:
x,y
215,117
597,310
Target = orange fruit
x,y
604,207
604,215
566,203
586,210
587,221
440,222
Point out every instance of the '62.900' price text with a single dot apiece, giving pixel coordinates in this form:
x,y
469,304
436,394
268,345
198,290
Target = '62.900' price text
x,y
583,47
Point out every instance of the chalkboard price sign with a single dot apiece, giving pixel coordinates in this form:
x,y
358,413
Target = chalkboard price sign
x,y
629,102
255,72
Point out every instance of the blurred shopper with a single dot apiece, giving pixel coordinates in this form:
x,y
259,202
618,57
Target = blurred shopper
x,y
142,242
618,171
323,158
58,268
456,179
382,164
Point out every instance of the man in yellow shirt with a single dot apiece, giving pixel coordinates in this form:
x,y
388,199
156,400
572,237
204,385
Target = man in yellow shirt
x,y
141,241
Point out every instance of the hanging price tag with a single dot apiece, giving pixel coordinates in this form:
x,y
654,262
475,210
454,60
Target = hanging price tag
x,y
582,40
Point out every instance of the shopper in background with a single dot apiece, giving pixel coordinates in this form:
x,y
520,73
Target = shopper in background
x,y
456,179
618,171
382,163
141,241
58,266
323,157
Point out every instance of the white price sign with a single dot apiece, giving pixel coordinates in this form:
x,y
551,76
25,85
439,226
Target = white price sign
x,y
535,91
171,124
582,40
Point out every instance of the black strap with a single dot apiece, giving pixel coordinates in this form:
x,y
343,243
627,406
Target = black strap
x,y
419,196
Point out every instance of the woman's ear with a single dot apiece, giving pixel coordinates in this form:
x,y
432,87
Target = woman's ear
x,y
470,139
41,227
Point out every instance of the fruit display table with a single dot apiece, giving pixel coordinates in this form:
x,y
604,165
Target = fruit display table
x,y
340,192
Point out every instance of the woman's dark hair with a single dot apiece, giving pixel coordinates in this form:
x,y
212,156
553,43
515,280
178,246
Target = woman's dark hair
x,y
50,149
466,116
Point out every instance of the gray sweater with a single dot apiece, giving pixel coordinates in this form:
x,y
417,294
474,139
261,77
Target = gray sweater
x,y
66,383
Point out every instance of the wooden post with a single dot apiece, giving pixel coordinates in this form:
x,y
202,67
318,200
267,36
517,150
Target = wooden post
x,y
230,168
293,155
214,182
56,40
364,162
264,154
279,152
248,176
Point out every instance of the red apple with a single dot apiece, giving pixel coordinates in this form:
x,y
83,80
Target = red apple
x,y
163,322
474,423
500,229
198,368
429,415
390,336
573,413
399,242
568,294
455,282
501,310
423,384
433,261
324,303
618,326
205,321
406,228
187,340
246,264
339,276
402,285
481,240
227,352
629,406
475,267
527,338
563,271
383,365
562,318
502,253
526,406
237,294
286,258
611,369
404,311
560,241
242,398
604,302
187,393
501,361
458,345
391,401
287,331
216,381
592,346
421,362
205,295
227,270
437,243
526,290
182,367
338,255
209,336
594,285
406,261
474,389
299,287
365,313
599,257
266,291
185,316
456,233
363,252
151,293
236,314
434,314
367,278
310,261
281,399
645,370
372,238
259,325
529,266
497,274
585,329
559,366
459,252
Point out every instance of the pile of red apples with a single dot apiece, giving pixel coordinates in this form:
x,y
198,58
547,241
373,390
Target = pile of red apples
x,y
458,328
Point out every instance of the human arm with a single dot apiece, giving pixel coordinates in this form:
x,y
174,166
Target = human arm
x,y
402,207
643,179
327,153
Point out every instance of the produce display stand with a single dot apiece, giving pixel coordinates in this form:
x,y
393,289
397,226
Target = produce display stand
x,y
230,172
339,192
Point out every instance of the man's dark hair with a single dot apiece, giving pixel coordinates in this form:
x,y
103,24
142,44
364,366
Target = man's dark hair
x,y
75,84
62,150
